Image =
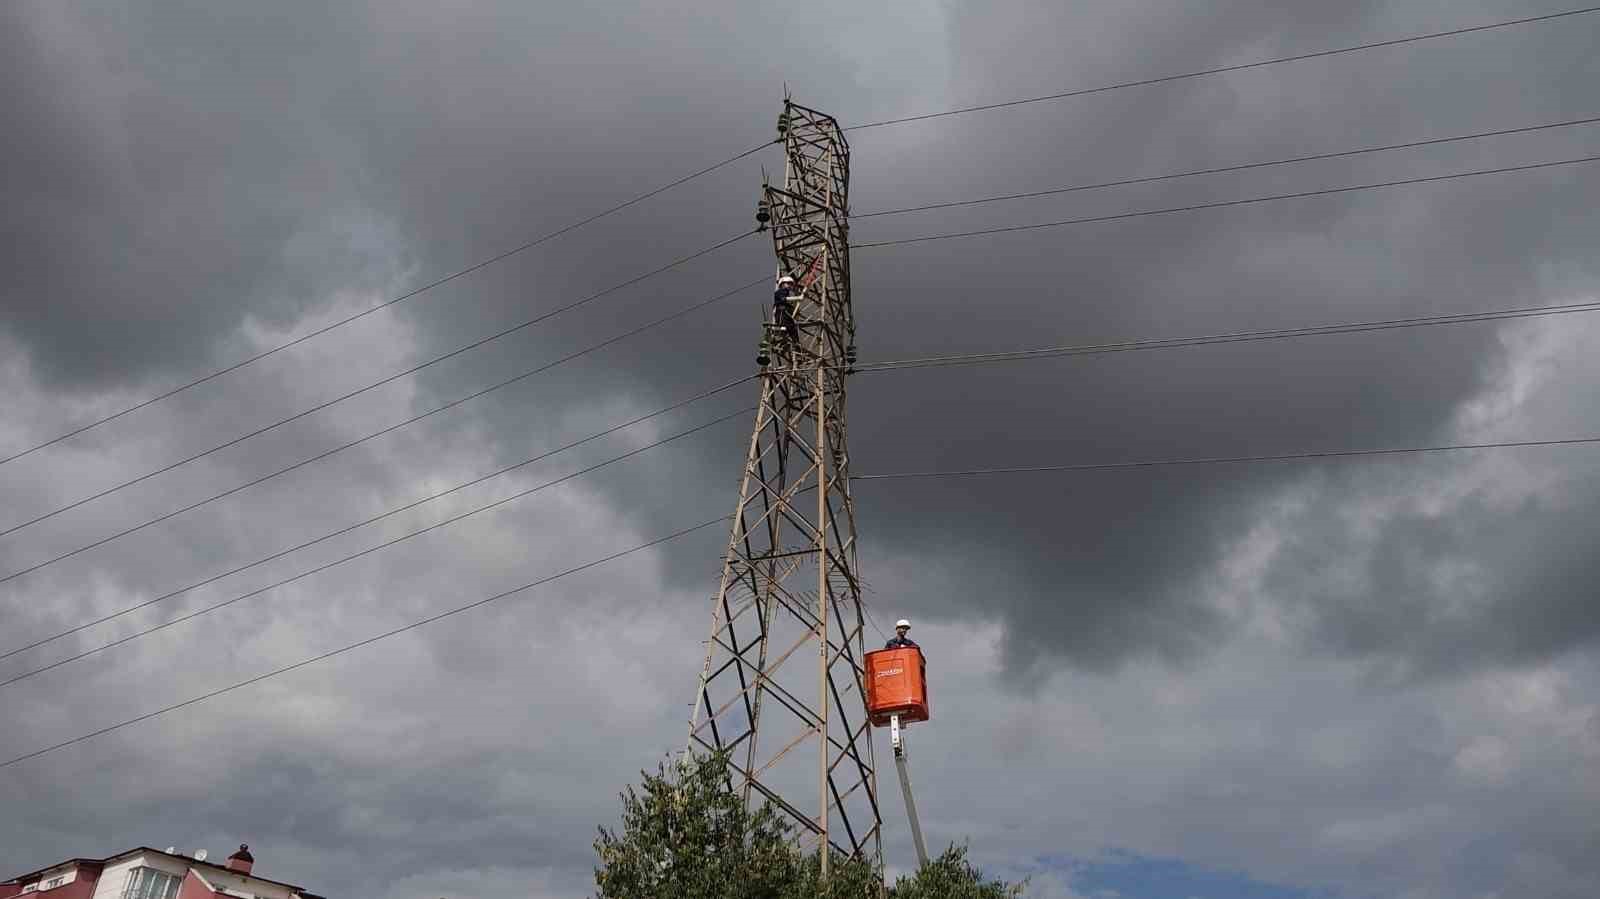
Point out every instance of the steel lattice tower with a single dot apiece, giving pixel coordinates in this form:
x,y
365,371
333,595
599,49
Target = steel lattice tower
x,y
781,690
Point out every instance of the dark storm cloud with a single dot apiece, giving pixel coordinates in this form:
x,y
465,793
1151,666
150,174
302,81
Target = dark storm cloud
x,y
1112,563
188,183
1482,583
197,176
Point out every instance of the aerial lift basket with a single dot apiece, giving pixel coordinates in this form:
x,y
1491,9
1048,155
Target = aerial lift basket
x,y
897,694
897,684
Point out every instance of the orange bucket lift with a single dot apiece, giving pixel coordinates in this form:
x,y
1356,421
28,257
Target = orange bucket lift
x,y
897,685
897,695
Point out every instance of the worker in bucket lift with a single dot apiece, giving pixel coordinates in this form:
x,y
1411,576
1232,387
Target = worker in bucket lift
x,y
900,640
783,299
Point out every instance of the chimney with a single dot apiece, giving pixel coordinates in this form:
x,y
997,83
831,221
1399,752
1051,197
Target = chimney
x,y
242,860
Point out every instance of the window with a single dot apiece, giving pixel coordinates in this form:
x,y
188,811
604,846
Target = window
x,y
148,883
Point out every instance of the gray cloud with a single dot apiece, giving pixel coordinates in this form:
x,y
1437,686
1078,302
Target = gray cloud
x,y
189,183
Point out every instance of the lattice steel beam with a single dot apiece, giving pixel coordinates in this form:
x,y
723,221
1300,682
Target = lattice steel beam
x,y
791,555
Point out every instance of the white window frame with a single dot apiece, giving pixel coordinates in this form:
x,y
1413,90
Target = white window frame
x,y
136,887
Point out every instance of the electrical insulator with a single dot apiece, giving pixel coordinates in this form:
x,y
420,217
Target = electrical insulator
x,y
763,215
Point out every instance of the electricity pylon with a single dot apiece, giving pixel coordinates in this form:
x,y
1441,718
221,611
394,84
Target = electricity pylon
x,y
789,592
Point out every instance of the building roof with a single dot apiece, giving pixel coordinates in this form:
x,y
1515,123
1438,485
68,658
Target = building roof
x,y
207,864
183,858
47,868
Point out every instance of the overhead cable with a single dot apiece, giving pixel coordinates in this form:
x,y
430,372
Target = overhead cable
x,y
374,435
753,150
386,304
704,394
902,475
893,365
379,383
1162,343
1227,203
1083,92
1227,168
1221,460
360,643
340,561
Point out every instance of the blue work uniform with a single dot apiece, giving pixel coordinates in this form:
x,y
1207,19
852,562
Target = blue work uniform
x,y
899,642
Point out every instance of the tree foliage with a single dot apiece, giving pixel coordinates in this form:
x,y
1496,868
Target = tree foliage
x,y
951,876
685,833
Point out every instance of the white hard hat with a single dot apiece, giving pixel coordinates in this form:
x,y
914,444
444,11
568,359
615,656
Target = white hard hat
x,y
786,278
902,623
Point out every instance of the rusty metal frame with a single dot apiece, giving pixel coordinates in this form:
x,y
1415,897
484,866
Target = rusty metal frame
x,y
796,514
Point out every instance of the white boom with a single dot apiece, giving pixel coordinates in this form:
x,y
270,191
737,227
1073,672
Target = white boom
x,y
898,741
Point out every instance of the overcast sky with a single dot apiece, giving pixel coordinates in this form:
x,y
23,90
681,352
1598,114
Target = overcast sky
x,y
1355,678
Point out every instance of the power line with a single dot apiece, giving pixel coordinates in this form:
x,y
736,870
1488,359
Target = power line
x,y
866,607
1229,168
1227,203
870,367
384,305
1233,337
1454,32
360,643
1221,460
324,567
374,435
977,358
705,394
379,383
900,475
753,150
971,472
742,155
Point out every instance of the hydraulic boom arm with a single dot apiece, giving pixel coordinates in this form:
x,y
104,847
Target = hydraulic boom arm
x,y
898,740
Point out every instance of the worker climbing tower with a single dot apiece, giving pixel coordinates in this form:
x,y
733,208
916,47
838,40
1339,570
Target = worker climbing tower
x,y
782,687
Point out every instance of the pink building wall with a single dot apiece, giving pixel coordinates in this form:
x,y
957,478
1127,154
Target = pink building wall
x,y
193,888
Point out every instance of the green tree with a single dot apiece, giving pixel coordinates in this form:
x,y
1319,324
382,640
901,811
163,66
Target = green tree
x,y
686,835
951,876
